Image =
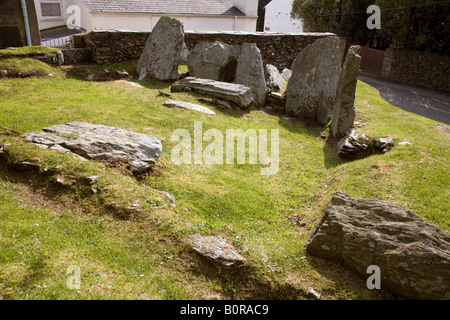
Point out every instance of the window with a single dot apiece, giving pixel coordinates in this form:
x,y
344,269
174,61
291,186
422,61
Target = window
x,y
50,8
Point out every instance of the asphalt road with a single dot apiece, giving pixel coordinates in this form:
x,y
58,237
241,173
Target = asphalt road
x,y
431,104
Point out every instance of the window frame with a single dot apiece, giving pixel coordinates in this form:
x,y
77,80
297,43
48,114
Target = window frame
x,y
60,17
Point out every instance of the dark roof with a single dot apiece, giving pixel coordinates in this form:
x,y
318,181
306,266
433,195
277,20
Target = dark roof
x,y
195,7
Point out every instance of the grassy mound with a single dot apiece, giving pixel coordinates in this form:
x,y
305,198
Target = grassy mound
x,y
28,67
129,243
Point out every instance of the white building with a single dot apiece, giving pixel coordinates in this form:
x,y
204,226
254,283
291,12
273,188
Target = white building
x,y
142,15
278,17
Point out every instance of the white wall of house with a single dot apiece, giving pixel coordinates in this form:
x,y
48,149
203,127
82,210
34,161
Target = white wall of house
x,y
146,22
278,17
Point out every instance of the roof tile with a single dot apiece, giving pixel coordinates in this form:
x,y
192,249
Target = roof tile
x,y
203,7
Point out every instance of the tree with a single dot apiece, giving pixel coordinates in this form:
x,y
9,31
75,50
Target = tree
x,y
353,22
422,25
318,15
416,24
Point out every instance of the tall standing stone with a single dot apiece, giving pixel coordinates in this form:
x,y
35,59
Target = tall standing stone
x,y
344,107
215,61
162,53
250,72
315,69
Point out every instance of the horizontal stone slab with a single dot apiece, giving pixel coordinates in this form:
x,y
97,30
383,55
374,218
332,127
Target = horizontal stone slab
x,y
99,142
241,95
189,106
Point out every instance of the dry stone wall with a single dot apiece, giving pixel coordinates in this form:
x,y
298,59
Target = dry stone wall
x,y
278,49
418,68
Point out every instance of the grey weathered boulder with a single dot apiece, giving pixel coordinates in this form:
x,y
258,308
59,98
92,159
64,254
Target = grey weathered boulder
x,y
189,106
250,72
344,106
412,254
216,249
215,61
238,94
98,142
274,78
162,53
315,70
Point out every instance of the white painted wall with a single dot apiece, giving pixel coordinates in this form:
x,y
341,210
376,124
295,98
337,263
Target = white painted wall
x,y
278,17
146,22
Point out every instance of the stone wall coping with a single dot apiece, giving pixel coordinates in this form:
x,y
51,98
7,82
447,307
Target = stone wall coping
x,y
263,34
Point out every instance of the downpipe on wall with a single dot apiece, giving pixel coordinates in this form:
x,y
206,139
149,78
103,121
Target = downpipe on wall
x,y
27,24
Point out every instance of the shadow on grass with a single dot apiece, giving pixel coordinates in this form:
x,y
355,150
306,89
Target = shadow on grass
x,y
242,282
345,278
307,127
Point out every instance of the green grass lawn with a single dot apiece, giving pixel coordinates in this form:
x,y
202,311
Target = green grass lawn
x,y
268,218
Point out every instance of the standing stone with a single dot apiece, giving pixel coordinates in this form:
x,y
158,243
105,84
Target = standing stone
x,y
162,53
216,61
344,107
323,111
412,254
184,53
315,69
274,78
250,72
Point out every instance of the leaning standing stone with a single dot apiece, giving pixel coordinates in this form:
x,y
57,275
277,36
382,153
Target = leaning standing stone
x,y
315,69
162,53
250,72
344,107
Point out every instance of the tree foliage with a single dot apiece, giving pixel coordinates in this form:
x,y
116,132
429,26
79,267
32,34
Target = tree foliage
x,y
408,24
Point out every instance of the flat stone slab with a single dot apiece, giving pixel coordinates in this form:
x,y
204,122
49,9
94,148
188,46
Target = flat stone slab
x,y
413,255
98,142
216,249
188,105
241,95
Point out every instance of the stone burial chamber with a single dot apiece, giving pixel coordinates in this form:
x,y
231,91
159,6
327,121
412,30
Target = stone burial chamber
x,y
232,64
98,142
